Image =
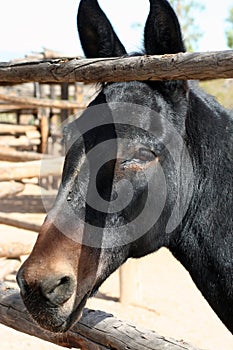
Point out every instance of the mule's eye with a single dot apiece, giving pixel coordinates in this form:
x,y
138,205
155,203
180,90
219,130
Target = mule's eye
x,y
144,155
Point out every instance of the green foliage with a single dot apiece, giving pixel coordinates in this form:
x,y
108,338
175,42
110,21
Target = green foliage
x,y
221,89
229,34
229,31
186,11
230,18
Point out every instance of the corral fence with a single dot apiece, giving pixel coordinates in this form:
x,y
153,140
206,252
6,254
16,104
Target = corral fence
x,y
96,330
201,66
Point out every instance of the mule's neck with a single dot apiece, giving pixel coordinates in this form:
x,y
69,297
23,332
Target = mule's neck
x,y
204,243
209,262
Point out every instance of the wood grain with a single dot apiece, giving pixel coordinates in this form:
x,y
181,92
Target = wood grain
x,y
189,65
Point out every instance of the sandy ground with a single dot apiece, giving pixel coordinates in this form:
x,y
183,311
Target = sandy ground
x,y
169,302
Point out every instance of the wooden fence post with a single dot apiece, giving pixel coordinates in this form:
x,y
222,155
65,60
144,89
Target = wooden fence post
x,y
43,115
130,291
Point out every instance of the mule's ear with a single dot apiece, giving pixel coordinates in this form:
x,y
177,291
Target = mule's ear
x,y
97,36
162,33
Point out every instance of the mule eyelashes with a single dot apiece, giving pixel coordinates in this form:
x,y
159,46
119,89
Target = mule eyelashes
x,y
144,155
141,156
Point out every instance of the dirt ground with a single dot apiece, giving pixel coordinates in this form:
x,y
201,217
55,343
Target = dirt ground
x,y
169,302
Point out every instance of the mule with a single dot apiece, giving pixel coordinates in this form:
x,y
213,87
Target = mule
x,y
148,165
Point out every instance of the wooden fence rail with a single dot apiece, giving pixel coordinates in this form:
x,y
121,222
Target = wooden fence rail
x,y
189,65
30,169
95,331
32,102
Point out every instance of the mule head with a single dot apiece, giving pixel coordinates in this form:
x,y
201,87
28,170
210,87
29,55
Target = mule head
x,y
112,203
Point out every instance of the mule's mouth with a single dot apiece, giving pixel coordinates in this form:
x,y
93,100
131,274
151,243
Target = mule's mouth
x,y
55,319
74,317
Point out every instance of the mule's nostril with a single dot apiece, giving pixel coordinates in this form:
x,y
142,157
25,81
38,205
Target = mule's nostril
x,y
64,280
58,289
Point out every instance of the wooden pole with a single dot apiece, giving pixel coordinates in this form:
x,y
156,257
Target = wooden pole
x,y
44,130
78,93
32,169
25,225
7,266
10,188
189,65
16,129
95,331
14,250
6,107
32,102
22,141
130,292
9,154
43,116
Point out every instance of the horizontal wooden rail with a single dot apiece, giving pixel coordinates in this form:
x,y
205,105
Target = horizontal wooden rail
x,y
35,168
10,188
7,107
36,102
14,250
189,65
6,219
16,129
9,154
95,331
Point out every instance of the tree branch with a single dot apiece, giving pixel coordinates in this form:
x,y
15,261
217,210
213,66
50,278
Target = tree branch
x,y
189,65
95,331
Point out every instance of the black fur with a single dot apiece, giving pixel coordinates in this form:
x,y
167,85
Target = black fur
x,y
97,36
203,242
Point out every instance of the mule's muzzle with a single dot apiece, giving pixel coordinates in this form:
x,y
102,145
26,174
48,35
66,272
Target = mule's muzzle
x,y
57,278
50,300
